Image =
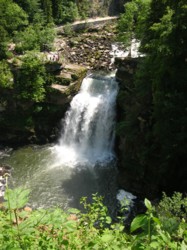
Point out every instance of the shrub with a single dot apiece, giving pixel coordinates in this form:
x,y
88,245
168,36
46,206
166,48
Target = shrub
x,y
22,228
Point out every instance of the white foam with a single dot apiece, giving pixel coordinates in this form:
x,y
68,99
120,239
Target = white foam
x,y
88,132
125,198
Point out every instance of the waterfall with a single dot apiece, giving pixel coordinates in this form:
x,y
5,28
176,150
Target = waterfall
x,y
88,131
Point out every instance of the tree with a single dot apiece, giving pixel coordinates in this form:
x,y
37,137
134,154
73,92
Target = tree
x,y
64,11
12,18
132,23
35,37
30,84
159,97
47,8
31,7
84,7
57,10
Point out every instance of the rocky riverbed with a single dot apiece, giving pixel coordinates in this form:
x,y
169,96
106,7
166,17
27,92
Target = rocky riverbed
x,y
91,48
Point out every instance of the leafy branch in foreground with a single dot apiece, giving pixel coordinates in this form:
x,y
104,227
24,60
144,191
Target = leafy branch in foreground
x,y
22,228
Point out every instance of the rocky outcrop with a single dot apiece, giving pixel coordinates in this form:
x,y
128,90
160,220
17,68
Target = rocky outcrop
x,y
66,84
126,68
5,172
144,169
133,175
24,122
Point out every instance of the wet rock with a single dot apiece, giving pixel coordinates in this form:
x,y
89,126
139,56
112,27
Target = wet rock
x,y
5,172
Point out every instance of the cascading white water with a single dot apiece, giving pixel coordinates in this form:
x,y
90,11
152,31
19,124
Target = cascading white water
x,y
88,133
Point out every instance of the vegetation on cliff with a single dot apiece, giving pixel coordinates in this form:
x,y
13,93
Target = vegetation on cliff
x,y
27,71
154,121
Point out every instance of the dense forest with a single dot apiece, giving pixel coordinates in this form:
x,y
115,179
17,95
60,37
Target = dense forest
x,y
152,122
154,119
28,23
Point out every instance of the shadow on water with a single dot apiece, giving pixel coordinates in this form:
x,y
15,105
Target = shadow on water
x,y
82,182
60,185
85,181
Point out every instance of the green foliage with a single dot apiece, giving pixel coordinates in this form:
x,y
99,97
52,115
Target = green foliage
x,y
153,233
171,210
96,213
35,37
6,80
21,228
175,206
68,30
64,11
12,18
30,84
131,24
70,12
84,8
16,199
155,107
27,40
31,7
47,9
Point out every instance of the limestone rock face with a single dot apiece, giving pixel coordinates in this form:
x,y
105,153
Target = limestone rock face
x,y
68,83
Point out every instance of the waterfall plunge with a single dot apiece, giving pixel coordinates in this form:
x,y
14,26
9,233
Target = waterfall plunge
x,y
88,132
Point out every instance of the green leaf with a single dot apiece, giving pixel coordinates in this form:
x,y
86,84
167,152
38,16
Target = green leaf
x,y
65,242
148,204
70,226
156,220
154,245
107,237
108,220
138,222
73,211
16,198
183,246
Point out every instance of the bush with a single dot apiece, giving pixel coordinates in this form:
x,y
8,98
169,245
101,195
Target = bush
x,y
35,37
30,84
6,79
22,228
